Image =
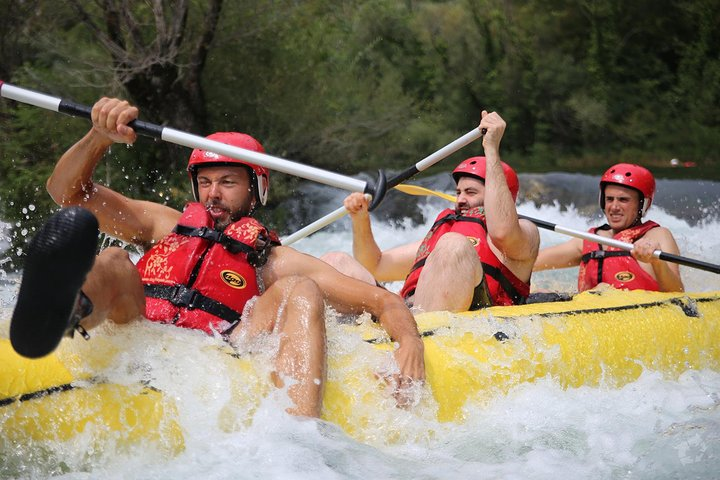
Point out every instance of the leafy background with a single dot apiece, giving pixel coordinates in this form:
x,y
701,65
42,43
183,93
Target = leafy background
x,y
353,86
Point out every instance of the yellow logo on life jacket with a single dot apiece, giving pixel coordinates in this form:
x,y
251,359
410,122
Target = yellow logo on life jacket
x,y
473,241
624,277
233,279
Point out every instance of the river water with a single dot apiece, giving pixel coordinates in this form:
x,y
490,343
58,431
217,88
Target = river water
x,y
652,428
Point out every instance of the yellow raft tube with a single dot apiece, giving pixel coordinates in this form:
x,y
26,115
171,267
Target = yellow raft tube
x,y
596,339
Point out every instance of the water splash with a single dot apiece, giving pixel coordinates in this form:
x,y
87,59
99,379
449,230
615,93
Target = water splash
x,y
651,428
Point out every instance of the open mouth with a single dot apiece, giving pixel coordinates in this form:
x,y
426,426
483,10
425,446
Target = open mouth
x,y
217,211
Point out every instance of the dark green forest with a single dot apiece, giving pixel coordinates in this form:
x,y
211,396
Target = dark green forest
x,y
354,86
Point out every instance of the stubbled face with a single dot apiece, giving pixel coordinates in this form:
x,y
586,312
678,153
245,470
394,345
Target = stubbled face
x,y
226,193
622,205
470,194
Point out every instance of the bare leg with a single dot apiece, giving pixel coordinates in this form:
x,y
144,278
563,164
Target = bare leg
x,y
347,265
450,275
294,307
115,289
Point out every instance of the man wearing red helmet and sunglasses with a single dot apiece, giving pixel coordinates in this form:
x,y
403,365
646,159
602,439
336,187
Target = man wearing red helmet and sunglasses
x,y
626,193
211,267
476,255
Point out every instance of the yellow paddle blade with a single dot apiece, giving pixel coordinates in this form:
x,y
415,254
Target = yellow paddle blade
x,y
415,190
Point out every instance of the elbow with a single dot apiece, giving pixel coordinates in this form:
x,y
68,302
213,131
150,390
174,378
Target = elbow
x,y
672,286
369,262
64,196
675,287
53,190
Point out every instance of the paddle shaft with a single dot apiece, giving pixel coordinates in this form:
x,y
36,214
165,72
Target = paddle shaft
x,y
315,226
435,157
420,166
192,141
668,257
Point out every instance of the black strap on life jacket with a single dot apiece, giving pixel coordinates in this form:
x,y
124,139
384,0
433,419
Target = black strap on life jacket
x,y
215,236
257,257
505,284
263,246
182,296
601,255
456,217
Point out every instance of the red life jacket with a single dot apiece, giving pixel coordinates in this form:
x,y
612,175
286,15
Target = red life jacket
x,y
615,266
198,277
504,287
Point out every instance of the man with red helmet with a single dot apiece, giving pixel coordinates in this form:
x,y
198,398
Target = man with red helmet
x,y
626,193
476,255
211,267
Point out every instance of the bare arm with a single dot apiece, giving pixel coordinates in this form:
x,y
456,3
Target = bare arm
x,y
349,295
517,240
71,182
667,274
564,255
387,266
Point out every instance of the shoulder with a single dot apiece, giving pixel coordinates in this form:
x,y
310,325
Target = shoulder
x,y
280,254
158,219
664,237
658,232
284,261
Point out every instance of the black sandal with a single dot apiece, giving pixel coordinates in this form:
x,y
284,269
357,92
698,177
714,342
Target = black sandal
x,y
50,304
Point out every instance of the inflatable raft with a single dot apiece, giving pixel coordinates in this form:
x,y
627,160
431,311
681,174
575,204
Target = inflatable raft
x,y
596,339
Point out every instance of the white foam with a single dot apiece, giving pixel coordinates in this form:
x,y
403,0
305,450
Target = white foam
x,y
651,428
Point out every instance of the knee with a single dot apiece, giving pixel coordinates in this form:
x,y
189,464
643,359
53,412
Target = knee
x,y
115,256
337,259
298,286
454,245
305,302
114,265
347,265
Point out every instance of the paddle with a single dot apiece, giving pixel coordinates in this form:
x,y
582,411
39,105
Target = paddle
x,y
422,191
193,141
668,257
394,182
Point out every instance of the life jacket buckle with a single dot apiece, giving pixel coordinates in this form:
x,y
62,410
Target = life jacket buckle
x,y
183,297
210,234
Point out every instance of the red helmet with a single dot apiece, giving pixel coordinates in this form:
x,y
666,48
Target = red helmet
x,y
475,167
631,176
259,176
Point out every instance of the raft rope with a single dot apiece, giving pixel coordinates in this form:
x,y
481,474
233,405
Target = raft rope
x,y
40,393
687,305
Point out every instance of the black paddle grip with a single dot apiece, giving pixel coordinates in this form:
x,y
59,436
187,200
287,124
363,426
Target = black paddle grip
x,y
78,110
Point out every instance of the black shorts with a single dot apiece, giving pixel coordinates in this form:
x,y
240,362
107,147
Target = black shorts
x,y
481,297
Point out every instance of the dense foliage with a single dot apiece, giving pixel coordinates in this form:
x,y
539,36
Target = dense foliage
x,y
355,85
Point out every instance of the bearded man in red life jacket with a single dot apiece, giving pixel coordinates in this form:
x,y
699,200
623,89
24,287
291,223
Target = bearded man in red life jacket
x,y
626,193
476,255
211,267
